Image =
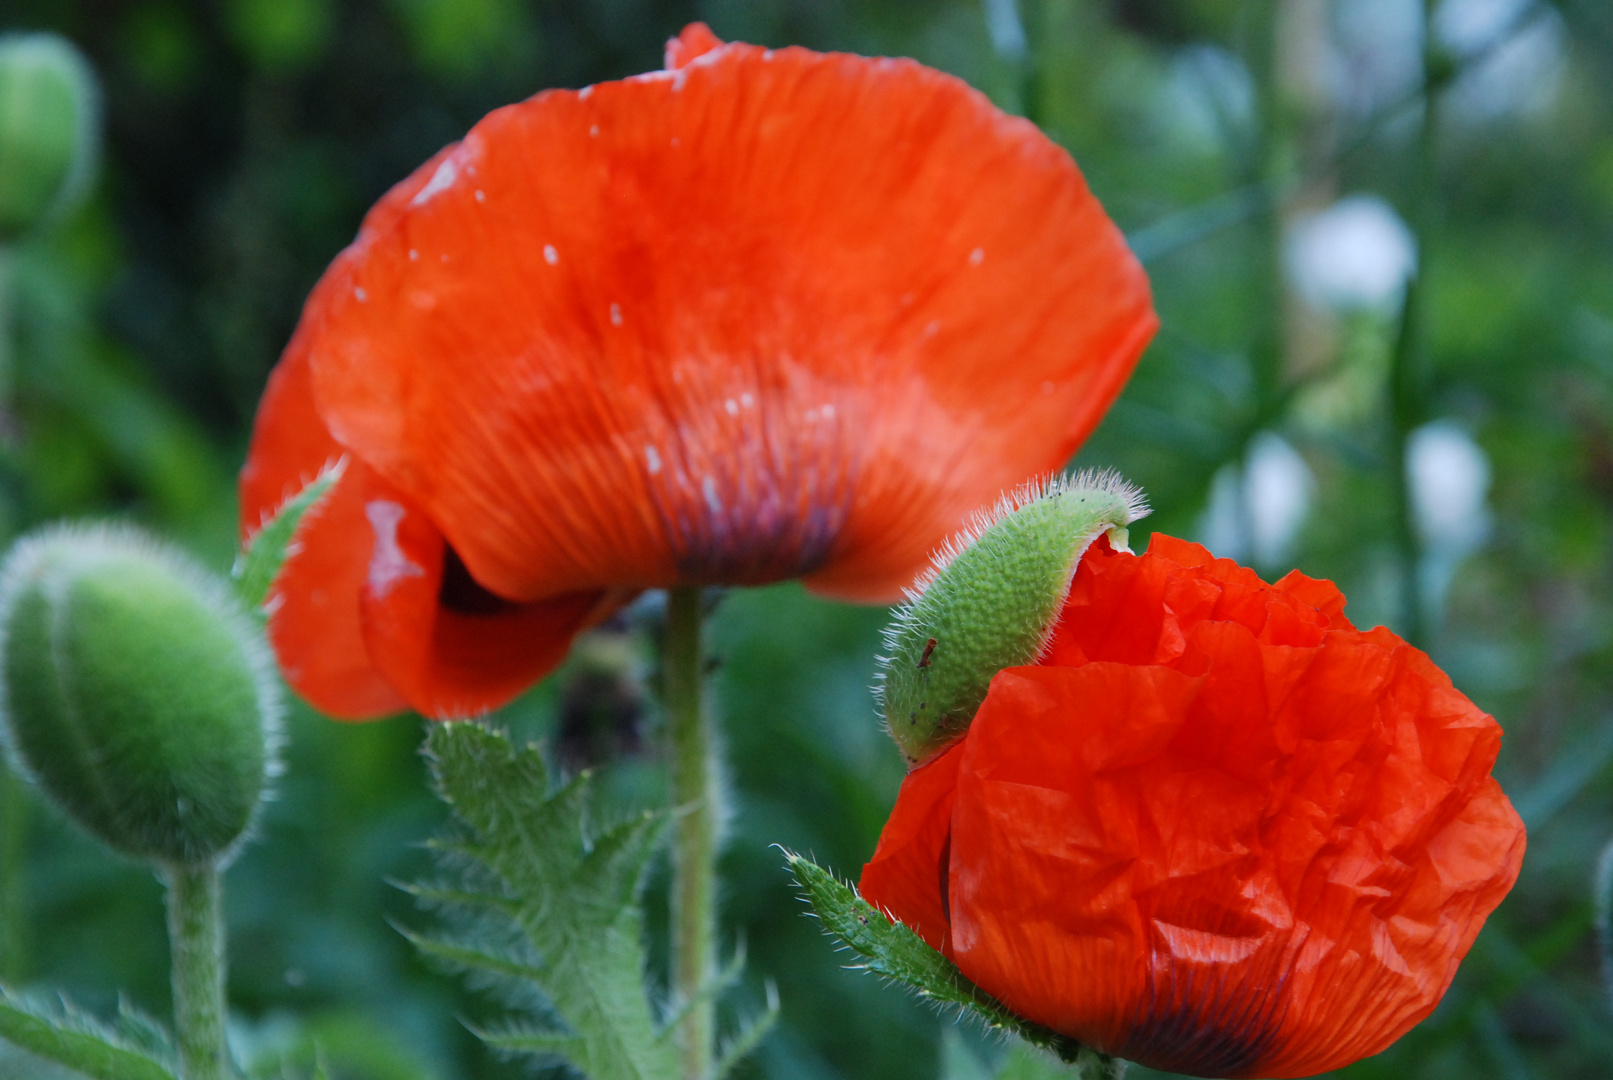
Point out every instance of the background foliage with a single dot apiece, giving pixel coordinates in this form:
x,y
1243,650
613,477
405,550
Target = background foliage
x,y
1453,474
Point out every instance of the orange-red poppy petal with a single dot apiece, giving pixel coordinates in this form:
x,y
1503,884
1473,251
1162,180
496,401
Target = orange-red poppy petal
x,y
1218,830
452,648
908,870
313,603
774,313
359,616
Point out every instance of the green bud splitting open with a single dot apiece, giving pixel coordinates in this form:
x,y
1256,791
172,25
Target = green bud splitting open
x,y
136,691
49,129
990,602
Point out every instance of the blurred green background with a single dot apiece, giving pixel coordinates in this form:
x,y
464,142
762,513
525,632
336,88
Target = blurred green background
x,y
1442,449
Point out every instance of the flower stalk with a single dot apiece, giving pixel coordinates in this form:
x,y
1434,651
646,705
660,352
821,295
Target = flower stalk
x,y
196,941
696,797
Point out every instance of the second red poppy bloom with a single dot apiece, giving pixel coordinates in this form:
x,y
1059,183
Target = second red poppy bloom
x,y
765,314
1215,830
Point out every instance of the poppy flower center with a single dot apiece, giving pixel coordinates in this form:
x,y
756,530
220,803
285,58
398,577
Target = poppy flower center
x,y
769,512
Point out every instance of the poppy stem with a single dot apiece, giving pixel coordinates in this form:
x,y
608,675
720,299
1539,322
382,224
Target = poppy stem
x,y
696,800
196,942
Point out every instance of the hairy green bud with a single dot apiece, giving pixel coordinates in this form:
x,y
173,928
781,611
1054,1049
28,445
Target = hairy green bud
x,y
990,602
136,691
49,129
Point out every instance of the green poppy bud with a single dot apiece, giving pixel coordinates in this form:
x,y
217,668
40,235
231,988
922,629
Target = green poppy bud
x,y
136,691
991,602
49,123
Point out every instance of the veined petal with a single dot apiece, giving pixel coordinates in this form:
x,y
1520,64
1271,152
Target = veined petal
x,y
372,613
450,646
770,314
908,871
313,603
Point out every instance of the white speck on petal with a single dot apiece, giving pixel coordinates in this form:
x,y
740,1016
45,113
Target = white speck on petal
x,y
676,141
932,328
732,406
414,256
445,256
708,487
593,129
652,459
550,255
977,256
585,93
616,314
481,196
388,564
440,181
746,400
767,54
679,79
828,412
1048,386
360,294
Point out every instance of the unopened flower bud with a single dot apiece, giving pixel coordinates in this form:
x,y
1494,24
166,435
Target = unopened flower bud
x,y
49,122
991,602
136,691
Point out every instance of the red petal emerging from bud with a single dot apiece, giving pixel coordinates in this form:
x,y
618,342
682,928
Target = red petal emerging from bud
x,y
1217,831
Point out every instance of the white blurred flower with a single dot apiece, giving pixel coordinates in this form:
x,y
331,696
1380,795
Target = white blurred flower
x,y
1357,254
1522,73
1209,97
1449,476
1006,30
1378,46
1257,511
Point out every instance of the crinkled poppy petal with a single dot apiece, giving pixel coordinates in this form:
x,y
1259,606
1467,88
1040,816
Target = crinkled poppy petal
x,y
451,647
775,313
1047,837
1265,859
907,877
313,603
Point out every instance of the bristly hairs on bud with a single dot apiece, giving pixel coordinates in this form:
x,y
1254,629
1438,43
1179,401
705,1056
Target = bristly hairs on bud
x,y
92,541
1103,481
990,599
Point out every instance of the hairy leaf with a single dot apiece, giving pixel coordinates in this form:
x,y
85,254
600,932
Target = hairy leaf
x,y
271,545
64,1035
896,952
543,905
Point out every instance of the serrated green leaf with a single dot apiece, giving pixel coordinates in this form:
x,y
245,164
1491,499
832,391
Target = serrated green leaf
x,y
70,1038
542,1043
563,894
267,550
740,1046
471,958
891,949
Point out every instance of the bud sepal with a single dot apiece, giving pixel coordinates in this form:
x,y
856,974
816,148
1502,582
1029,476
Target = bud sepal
x,y
990,602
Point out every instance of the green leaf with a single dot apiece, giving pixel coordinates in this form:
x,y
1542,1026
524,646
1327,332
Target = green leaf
x,y
539,899
273,543
896,952
68,1037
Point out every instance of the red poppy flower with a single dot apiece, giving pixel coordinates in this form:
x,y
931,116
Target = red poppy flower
x,y
765,314
1217,830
